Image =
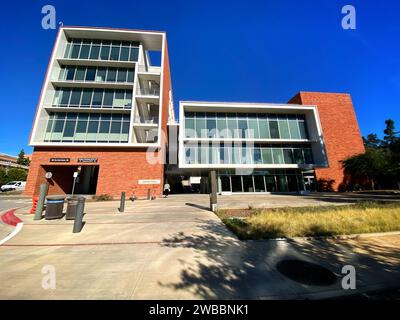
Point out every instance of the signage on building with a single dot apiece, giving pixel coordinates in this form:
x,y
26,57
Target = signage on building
x,y
60,159
155,181
87,160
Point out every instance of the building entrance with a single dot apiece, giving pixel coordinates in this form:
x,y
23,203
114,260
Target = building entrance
x,y
62,179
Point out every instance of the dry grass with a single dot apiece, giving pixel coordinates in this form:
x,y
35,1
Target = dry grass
x,y
363,217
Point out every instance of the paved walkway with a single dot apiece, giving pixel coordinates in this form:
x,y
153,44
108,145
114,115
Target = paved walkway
x,y
176,249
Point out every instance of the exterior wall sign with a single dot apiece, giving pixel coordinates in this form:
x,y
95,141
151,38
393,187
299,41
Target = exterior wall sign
x,y
87,160
60,159
155,181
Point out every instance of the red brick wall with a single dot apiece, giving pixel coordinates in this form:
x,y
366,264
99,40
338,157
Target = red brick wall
x,y
119,170
340,130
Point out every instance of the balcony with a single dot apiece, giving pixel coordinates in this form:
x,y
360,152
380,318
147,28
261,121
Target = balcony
x,y
155,92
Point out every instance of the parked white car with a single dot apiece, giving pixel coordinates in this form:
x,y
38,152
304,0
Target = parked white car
x,y
14,185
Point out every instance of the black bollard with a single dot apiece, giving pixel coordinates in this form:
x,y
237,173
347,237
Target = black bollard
x,y
79,215
122,203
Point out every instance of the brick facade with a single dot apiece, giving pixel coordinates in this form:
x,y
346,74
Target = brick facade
x,y
340,132
119,170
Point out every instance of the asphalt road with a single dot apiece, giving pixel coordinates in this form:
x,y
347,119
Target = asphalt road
x,y
13,201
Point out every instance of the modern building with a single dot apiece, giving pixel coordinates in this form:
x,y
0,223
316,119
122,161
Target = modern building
x,y
104,104
261,147
107,111
7,162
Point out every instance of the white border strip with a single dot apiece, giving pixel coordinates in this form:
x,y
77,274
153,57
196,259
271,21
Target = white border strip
x,y
16,230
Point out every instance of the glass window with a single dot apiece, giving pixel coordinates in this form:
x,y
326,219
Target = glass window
x,y
253,127
104,127
221,125
75,97
267,156
283,128
111,75
308,156
94,52
80,74
273,129
134,54
236,183
259,183
130,75
278,155
84,53
121,75
248,184
115,127
119,99
97,97
124,54
81,128
298,156
67,53
263,125
211,128
114,53
294,128
75,50
105,52
189,128
101,74
128,99
70,73
201,126
257,156
90,74
86,97
108,98
271,184
282,183
242,125
65,95
288,156
303,129
69,130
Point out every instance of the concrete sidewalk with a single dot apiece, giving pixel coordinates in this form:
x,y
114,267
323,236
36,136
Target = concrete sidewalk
x,y
176,249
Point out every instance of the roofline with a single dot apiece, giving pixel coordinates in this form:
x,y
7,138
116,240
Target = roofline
x,y
322,92
243,103
113,29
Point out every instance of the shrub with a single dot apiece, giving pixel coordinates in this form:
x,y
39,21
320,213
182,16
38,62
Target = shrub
x,y
16,174
103,197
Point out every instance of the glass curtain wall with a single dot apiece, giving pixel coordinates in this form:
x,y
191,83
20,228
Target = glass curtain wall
x,y
245,126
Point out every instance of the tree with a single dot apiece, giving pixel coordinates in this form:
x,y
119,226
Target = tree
x,y
372,141
22,160
390,133
372,164
16,174
3,176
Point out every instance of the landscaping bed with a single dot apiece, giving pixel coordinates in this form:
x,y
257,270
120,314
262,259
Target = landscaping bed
x,y
362,217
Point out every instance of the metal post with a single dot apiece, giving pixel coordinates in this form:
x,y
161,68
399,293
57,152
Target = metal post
x,y
213,194
79,215
40,203
122,203
73,187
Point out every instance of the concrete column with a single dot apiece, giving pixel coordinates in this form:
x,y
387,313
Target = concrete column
x,y
213,190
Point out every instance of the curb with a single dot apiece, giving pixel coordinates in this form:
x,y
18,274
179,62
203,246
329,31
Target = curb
x,y
10,219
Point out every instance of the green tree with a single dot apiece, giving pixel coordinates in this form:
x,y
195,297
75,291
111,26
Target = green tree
x,y
390,133
372,141
21,158
3,176
16,174
372,164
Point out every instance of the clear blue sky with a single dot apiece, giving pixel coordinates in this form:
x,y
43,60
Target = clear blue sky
x,y
260,51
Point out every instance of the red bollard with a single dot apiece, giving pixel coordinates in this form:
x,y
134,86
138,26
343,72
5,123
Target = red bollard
x,y
34,203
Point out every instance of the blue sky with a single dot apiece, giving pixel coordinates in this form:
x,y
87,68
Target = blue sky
x,y
257,51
